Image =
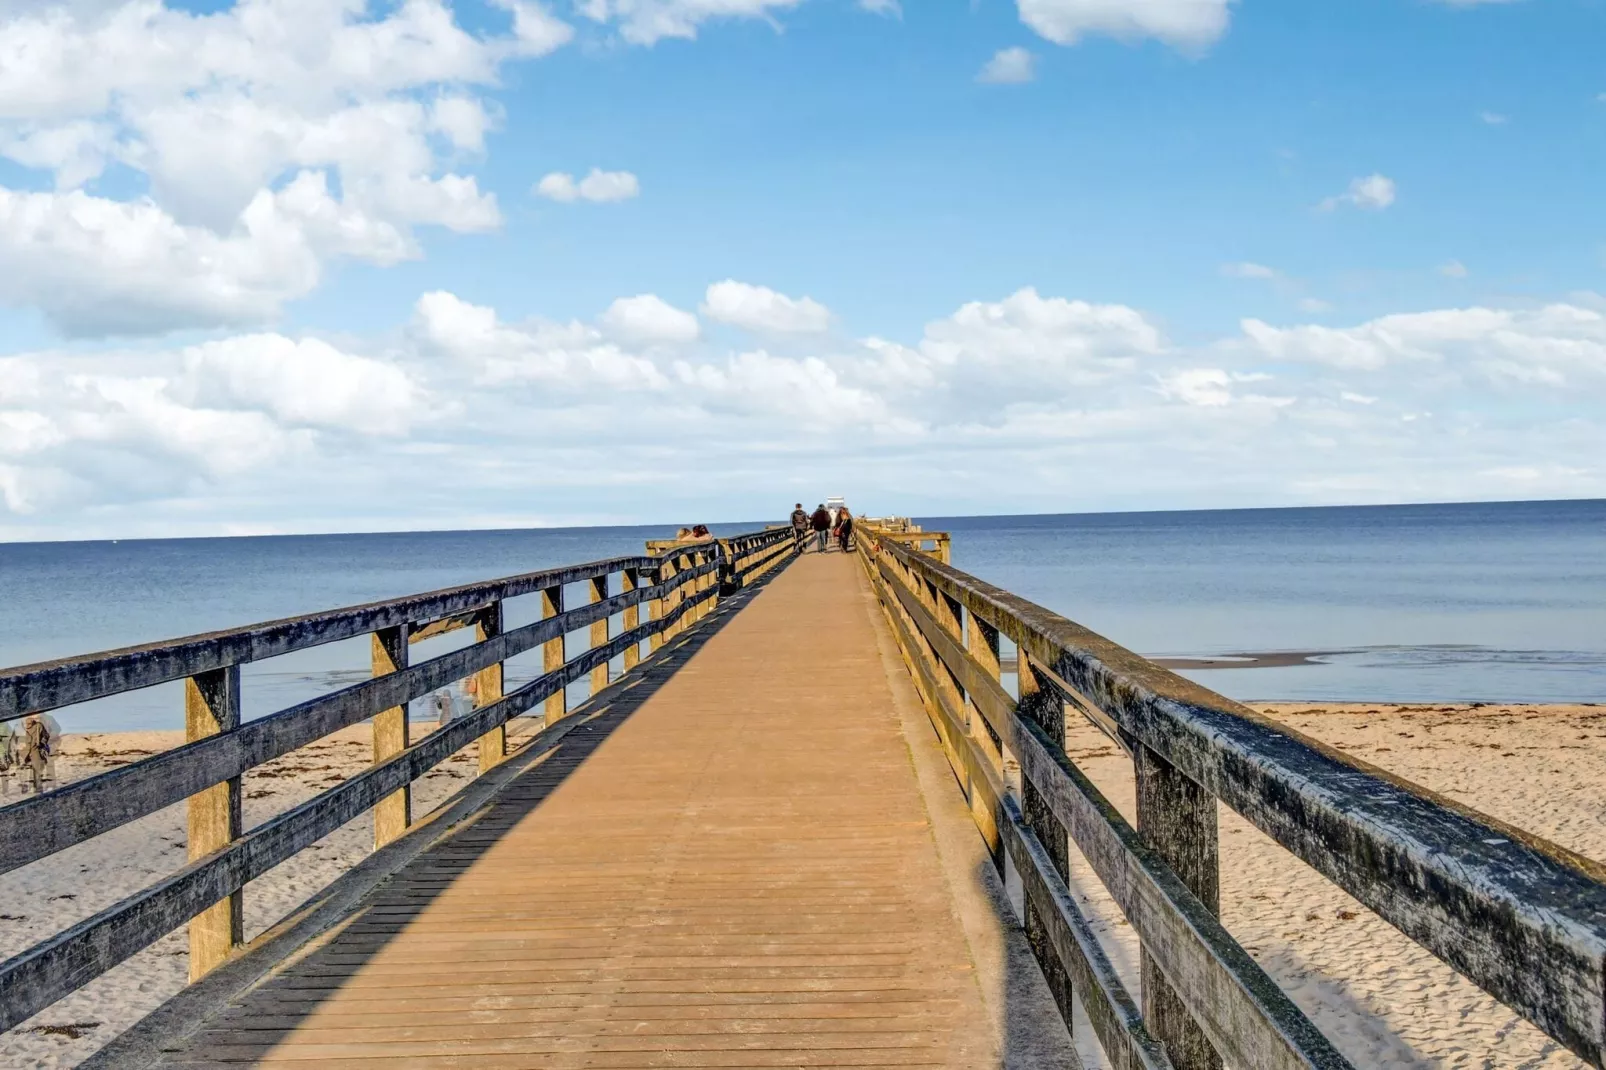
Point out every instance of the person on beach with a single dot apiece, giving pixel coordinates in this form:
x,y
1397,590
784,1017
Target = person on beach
x,y
36,743
800,527
445,708
821,522
844,528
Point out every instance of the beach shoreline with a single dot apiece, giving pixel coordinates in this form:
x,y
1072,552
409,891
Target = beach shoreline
x,y
1383,1000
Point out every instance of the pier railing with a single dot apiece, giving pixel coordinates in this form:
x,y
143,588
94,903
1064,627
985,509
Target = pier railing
x,y
678,587
1521,917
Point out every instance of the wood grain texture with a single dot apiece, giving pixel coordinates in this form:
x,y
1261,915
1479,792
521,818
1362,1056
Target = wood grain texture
x,y
1521,917
394,813
736,871
212,707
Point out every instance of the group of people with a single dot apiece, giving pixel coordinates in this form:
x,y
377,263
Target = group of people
x,y
28,751
822,527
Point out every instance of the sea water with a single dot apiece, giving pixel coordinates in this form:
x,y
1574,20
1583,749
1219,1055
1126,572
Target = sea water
x,y
1500,602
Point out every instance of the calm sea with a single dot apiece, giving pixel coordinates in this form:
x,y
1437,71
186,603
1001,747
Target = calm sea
x,y
1502,602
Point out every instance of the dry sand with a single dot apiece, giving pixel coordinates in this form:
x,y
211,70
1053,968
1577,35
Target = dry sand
x,y
1379,997
1383,1000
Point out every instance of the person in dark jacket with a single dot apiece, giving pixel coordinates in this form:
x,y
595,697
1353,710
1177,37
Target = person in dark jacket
x,y
844,528
821,522
800,527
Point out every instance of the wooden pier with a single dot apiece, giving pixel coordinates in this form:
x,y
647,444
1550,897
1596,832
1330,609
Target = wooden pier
x,y
727,856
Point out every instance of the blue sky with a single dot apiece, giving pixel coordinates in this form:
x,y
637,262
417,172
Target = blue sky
x,y
1185,231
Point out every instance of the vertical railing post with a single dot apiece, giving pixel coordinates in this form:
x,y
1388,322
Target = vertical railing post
x,y
599,634
488,689
212,706
552,654
1045,708
981,640
394,813
1177,818
658,608
628,581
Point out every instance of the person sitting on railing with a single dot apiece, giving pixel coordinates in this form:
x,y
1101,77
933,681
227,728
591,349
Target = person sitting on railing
x,y
821,522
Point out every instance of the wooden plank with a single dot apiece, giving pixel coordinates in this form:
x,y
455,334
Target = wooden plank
x,y
629,580
552,654
393,815
43,824
488,688
1178,819
599,634
50,685
1523,918
211,707
42,974
1114,1014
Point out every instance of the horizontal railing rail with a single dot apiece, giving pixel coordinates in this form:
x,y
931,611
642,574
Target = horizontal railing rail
x,y
684,583
1521,917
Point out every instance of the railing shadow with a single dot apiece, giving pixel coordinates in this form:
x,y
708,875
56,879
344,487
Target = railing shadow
x,y
358,930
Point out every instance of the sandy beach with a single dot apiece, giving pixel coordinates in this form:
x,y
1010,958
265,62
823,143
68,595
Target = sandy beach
x,y
1383,1000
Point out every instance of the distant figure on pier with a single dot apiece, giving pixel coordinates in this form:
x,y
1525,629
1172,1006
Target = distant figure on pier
x,y
800,526
821,522
844,528
445,707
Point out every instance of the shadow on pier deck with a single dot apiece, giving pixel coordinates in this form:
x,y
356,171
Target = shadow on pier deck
x,y
727,861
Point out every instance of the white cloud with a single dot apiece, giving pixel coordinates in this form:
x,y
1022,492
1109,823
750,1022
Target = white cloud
x,y
599,187
646,22
1453,269
275,135
759,308
1009,66
1019,402
1561,345
648,318
1493,118
890,8
1190,25
1375,192
1247,270
1314,304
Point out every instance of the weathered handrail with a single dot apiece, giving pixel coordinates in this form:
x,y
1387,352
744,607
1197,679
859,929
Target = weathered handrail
x,y
1521,917
686,580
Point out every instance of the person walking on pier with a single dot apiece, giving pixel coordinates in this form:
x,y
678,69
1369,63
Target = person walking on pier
x,y
821,522
800,527
844,528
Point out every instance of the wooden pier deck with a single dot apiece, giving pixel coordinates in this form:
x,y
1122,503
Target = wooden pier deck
x,y
732,868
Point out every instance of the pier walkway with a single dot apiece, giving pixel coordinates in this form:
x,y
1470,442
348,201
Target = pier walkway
x,y
812,811
726,862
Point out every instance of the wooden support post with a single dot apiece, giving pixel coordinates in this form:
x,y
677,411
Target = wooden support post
x,y
658,608
212,706
488,687
628,581
599,634
553,656
394,813
1178,819
1045,708
981,640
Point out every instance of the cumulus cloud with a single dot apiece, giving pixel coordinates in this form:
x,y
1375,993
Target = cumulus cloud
x,y
646,22
1190,25
1020,400
648,318
759,308
1374,192
274,137
1009,66
599,187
